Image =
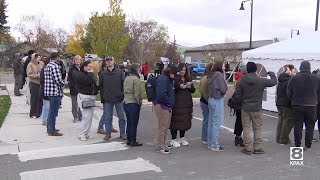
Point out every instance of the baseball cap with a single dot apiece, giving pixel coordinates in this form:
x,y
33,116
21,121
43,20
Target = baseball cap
x,y
109,58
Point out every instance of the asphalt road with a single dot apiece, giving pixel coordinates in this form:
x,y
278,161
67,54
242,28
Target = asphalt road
x,y
191,162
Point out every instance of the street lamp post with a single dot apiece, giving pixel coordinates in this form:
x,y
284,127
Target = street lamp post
x,y
292,31
317,15
242,8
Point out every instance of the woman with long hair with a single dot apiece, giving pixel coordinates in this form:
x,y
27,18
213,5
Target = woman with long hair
x,y
87,89
33,72
75,68
183,108
204,90
217,89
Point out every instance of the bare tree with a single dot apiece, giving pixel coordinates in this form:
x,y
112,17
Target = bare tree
x,y
148,41
61,36
227,51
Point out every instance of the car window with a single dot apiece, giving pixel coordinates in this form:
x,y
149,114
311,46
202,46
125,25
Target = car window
x,y
194,65
202,65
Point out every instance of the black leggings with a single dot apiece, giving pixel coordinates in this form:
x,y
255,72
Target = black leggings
x,y
174,133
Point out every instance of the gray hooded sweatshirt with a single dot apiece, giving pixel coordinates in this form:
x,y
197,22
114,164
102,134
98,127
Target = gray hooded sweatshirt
x,y
217,86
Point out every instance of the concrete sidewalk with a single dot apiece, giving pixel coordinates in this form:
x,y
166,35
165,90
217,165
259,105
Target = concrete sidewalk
x,y
21,133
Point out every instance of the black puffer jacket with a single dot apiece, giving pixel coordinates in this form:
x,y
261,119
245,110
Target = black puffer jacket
x,y
282,98
86,83
72,74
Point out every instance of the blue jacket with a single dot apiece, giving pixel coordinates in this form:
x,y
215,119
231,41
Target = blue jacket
x,y
165,91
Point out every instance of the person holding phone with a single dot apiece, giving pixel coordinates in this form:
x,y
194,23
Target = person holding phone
x,y
182,110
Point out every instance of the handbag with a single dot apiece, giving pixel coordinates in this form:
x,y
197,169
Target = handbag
x,y
89,102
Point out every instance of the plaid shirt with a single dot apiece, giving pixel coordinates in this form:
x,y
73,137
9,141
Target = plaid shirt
x,y
53,82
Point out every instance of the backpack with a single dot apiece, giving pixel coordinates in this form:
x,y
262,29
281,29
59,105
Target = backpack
x,y
234,103
151,88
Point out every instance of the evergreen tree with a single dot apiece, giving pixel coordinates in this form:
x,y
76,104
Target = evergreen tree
x,y
3,16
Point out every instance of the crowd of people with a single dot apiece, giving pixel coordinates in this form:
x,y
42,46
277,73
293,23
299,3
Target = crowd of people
x,y
297,99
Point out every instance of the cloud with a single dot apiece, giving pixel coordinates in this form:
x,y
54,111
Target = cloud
x,y
194,22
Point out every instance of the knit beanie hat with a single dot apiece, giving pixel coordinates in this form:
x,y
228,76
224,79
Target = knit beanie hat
x,y
305,66
251,67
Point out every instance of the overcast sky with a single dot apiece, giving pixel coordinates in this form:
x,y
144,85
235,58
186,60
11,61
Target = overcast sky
x,y
194,22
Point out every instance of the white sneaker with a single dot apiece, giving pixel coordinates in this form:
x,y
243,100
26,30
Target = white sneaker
x,y
83,139
204,142
175,143
183,142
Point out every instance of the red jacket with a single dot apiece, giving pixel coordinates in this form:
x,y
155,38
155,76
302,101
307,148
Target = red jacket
x,y
145,69
238,76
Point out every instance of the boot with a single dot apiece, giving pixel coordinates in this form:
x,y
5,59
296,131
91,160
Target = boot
x,y
238,141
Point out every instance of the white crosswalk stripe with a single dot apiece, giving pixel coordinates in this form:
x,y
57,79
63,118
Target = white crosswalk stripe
x,y
69,151
84,171
91,170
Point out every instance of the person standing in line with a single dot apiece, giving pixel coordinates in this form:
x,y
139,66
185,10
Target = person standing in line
x,y
145,70
112,96
103,117
72,74
45,99
285,122
204,90
304,93
183,108
18,72
156,69
238,129
217,89
53,88
163,103
161,67
33,72
132,103
25,79
317,72
250,91
87,89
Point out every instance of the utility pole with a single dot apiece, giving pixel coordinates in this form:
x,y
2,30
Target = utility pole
x,y
317,15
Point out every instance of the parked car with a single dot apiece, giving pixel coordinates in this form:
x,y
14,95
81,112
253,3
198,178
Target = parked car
x,y
198,68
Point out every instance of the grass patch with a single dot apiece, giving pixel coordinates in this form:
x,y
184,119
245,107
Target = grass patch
x,y
5,103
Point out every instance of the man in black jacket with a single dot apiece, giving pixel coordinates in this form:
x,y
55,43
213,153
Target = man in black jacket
x,y
18,72
285,122
304,93
111,92
250,90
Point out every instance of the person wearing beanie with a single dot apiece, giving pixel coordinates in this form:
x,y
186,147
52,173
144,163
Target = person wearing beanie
x,y
304,93
238,141
250,91
285,123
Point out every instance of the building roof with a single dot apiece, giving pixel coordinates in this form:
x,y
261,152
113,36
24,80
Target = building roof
x,y
231,46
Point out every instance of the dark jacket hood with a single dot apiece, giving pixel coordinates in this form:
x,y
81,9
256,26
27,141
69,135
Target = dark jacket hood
x,y
305,66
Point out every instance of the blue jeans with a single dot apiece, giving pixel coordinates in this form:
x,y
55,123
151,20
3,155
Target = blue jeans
x,y
102,119
53,113
108,111
205,114
45,111
216,114
132,112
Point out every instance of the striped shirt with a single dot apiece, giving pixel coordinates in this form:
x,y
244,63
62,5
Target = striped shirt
x,y
53,82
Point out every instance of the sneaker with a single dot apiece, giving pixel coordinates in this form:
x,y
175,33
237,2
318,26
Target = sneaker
x,y
114,130
220,149
245,151
175,143
123,137
135,144
307,149
33,117
163,151
183,142
204,142
259,151
314,140
101,131
107,138
83,138
169,146
54,134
